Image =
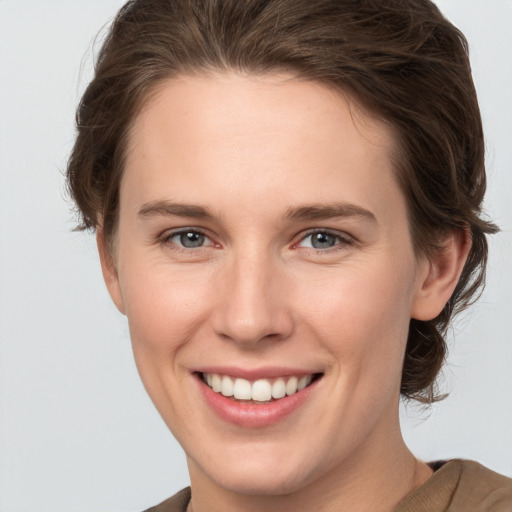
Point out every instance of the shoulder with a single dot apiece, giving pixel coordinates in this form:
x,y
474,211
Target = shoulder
x,y
483,488
176,503
461,486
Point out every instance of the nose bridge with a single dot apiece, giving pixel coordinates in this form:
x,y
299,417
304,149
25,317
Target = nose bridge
x,y
253,304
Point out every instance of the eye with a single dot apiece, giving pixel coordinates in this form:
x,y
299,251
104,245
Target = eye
x,y
323,240
188,239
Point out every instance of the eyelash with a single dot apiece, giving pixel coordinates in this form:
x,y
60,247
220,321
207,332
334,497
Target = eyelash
x,y
342,240
165,239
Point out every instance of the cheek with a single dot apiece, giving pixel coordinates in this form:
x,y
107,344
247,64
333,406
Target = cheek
x,y
165,310
163,307
362,315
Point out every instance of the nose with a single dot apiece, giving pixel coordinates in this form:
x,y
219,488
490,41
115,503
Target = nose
x,y
252,304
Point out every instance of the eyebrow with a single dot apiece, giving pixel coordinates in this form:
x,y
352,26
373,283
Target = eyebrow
x,y
170,209
329,211
166,208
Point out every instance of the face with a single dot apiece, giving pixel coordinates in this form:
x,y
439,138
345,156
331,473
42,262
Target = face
x,y
263,246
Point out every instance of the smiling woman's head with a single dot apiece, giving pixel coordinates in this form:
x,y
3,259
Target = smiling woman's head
x,y
400,61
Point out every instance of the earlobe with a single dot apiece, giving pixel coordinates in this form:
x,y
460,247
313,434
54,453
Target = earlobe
x,y
441,276
109,270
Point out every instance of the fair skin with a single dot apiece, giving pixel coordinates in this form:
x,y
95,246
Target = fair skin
x,y
294,259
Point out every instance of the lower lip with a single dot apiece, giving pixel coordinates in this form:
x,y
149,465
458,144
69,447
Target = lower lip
x,y
253,415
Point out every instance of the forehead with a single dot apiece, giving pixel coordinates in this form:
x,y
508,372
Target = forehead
x,y
267,135
278,101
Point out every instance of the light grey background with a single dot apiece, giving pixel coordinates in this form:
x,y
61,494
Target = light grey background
x,y
77,432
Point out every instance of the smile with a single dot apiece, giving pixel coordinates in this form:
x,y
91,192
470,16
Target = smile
x,y
261,390
264,401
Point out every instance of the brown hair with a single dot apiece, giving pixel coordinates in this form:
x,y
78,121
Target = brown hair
x,y
401,59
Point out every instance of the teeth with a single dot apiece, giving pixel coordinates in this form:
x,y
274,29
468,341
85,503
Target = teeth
x,y
261,390
303,382
243,389
216,383
227,386
278,389
291,386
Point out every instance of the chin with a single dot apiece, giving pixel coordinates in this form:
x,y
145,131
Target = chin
x,y
269,482
263,476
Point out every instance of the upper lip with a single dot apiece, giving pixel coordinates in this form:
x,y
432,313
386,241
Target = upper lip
x,y
253,374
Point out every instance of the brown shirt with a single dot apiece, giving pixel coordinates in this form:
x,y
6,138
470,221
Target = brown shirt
x,y
461,486
458,486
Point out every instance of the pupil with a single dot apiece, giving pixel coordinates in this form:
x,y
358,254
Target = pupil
x,y
192,239
323,240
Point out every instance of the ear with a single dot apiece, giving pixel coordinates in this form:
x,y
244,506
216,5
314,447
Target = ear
x,y
109,271
440,275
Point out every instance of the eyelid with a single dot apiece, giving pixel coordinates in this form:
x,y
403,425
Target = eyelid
x,y
166,236
344,238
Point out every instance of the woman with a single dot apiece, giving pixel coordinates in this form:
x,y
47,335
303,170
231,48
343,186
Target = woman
x,y
287,199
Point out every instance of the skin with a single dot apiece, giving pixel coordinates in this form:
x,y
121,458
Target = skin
x,y
257,294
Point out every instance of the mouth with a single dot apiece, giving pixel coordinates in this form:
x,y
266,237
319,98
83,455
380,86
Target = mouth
x,y
260,391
